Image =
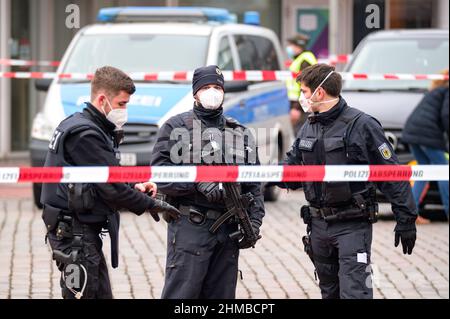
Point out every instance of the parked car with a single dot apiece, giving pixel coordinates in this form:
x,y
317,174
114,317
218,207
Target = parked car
x,y
392,101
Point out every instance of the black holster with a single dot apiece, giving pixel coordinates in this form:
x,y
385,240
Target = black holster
x,y
57,220
305,214
69,227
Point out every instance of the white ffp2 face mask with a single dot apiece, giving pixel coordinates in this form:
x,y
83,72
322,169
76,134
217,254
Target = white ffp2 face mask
x,y
116,116
211,99
306,104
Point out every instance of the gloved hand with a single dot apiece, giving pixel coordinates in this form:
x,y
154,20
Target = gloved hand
x,y
164,208
168,218
407,236
211,191
244,243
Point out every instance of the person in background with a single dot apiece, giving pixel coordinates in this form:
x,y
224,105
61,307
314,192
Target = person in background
x,y
301,59
425,132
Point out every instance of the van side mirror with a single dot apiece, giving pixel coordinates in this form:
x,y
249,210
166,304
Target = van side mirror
x,y
236,86
42,84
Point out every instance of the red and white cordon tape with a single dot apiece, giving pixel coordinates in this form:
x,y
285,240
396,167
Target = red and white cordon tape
x,y
336,59
256,76
332,59
183,174
15,62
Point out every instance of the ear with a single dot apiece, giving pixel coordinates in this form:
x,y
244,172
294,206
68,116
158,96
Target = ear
x,y
321,93
196,98
100,98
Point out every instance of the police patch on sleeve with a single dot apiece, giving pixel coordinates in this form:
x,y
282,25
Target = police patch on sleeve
x,y
53,145
385,151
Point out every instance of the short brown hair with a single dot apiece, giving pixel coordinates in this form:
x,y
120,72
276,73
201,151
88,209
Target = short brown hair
x,y
112,81
313,75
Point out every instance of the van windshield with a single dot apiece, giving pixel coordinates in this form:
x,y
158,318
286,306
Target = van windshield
x,y
138,53
407,56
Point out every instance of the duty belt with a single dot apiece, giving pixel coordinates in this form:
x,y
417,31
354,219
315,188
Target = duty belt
x,y
209,214
344,213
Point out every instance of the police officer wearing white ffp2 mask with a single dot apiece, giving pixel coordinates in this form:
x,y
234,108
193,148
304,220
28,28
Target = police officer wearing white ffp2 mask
x,y
75,214
340,214
202,263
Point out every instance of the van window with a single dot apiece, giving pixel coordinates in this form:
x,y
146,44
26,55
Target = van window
x,y
256,53
225,59
138,53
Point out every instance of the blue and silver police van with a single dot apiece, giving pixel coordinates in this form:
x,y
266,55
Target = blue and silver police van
x,y
160,39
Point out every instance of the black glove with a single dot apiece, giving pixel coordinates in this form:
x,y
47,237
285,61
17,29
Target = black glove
x,y
407,236
165,208
211,191
245,243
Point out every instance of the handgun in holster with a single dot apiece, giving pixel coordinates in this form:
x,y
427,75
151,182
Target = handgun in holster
x,y
308,246
305,214
64,228
369,206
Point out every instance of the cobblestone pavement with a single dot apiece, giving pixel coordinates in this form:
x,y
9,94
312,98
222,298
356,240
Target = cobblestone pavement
x,y
277,268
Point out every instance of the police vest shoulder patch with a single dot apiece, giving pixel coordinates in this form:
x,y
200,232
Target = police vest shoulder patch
x,y
53,145
385,151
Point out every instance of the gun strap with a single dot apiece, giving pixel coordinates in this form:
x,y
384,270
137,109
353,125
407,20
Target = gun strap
x,y
221,220
78,232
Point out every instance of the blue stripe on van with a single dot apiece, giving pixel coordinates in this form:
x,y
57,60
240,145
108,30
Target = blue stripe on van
x,y
261,107
148,104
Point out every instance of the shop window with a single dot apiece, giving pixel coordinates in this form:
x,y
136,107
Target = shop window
x,y
410,14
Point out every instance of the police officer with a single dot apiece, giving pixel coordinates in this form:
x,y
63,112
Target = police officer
x,y
75,214
340,214
202,263
302,58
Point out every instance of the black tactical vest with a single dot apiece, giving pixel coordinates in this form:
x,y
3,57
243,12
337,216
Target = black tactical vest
x,y
231,147
56,194
327,145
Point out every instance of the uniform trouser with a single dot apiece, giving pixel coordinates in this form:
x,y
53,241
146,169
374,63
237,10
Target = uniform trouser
x,y
200,265
98,285
342,258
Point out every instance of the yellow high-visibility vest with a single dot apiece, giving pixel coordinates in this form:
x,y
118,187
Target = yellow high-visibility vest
x,y
293,87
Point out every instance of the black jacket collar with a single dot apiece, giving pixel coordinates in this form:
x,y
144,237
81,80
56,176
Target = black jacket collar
x,y
92,113
328,117
210,118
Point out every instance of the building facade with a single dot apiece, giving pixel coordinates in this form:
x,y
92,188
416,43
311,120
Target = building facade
x,y
37,30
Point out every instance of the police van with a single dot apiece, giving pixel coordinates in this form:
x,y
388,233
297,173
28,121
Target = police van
x,y
161,39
